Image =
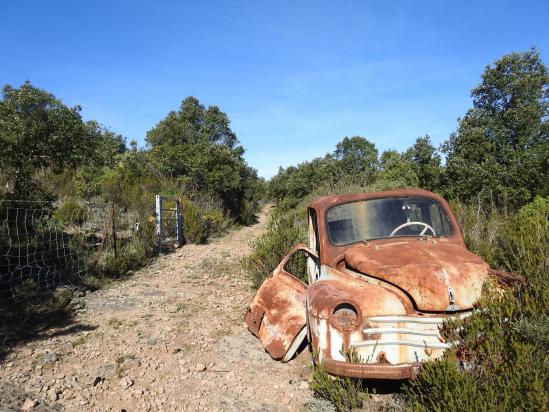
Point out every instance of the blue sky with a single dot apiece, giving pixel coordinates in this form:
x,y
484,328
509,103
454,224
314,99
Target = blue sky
x,y
294,76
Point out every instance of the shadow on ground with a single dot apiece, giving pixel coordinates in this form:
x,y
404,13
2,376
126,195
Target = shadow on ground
x,y
383,387
37,315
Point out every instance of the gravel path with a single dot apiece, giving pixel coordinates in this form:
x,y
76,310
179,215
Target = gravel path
x,y
169,338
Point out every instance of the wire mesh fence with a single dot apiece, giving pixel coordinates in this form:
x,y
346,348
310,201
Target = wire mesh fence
x,y
44,245
34,248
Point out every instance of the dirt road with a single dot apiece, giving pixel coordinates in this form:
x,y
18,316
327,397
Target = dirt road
x,y
169,338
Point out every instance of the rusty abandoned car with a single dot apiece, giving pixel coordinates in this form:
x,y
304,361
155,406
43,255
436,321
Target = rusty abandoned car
x,y
384,271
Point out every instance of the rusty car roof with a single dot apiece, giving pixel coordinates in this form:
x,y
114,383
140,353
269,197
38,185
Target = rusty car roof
x,y
320,204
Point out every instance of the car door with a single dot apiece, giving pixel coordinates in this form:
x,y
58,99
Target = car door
x,y
277,314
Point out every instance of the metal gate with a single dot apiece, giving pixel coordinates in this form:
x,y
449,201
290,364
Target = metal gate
x,y
169,222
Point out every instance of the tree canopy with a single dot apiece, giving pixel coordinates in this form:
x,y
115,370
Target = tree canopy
x,y
197,147
426,163
193,123
357,156
38,131
193,152
502,143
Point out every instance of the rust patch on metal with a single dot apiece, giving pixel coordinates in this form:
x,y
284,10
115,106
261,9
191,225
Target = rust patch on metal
x,y
370,336
277,313
371,370
381,358
345,316
253,319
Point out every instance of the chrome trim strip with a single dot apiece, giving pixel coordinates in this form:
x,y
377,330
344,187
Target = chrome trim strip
x,y
417,344
405,331
417,319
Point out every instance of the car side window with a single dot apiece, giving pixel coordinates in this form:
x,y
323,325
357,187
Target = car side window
x,y
297,265
314,242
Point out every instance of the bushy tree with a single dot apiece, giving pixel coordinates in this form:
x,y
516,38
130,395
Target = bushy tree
x,y
502,143
426,163
108,145
296,182
354,160
191,124
38,131
357,157
216,128
397,168
197,147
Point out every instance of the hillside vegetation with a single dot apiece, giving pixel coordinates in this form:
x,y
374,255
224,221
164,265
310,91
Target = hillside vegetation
x,y
496,176
52,159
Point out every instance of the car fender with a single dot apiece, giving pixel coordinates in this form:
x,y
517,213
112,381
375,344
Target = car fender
x,y
369,297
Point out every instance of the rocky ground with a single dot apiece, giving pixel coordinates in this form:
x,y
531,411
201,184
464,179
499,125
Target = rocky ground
x,y
171,337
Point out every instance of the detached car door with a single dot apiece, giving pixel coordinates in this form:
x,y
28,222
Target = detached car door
x,y
277,314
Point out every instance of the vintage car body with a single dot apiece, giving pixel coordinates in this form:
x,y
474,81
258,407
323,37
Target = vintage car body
x,y
372,308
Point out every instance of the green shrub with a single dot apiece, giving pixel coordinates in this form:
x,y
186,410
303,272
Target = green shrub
x,y
71,213
132,253
512,242
285,229
201,221
247,213
442,386
345,394
195,229
524,244
216,222
506,345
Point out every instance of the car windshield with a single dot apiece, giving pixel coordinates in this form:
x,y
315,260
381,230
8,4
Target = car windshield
x,y
388,217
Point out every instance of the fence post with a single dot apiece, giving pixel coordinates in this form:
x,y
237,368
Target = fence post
x,y
159,223
179,222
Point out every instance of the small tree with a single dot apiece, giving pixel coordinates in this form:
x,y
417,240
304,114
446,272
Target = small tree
x,y
193,123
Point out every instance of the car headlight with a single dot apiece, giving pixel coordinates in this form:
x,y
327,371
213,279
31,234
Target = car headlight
x,y
345,317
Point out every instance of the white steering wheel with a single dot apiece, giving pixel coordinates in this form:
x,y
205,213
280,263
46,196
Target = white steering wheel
x,y
413,223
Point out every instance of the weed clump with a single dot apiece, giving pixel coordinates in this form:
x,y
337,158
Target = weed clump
x,y
343,393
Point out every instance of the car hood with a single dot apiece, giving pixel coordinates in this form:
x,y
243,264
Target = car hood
x,y
437,275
